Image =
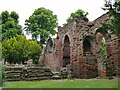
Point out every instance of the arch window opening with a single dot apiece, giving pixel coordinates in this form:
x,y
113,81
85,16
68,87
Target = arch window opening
x,y
89,57
87,44
50,45
66,51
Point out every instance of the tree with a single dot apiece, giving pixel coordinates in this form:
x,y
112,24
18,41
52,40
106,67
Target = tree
x,y
10,25
78,13
114,26
0,37
5,16
0,51
42,22
114,13
19,49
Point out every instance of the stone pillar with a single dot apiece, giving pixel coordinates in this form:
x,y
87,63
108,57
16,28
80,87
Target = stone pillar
x,y
100,59
101,65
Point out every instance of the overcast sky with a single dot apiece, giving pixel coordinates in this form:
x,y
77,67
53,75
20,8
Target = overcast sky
x,y
62,8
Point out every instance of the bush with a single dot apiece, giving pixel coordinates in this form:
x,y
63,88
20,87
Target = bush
x,y
19,49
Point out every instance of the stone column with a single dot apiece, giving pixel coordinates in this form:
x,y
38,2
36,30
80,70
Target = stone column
x,y
100,58
101,64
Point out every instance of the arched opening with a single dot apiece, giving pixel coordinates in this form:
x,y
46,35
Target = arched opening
x,y
87,44
102,53
50,45
66,51
91,61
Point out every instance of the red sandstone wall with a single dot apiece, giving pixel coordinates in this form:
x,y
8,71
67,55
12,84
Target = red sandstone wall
x,y
83,65
115,51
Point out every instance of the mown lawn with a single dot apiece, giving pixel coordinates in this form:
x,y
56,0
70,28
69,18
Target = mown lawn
x,y
81,83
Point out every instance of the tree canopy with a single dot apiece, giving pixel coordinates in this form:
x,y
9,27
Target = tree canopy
x,y
0,28
114,13
42,22
10,25
19,49
78,13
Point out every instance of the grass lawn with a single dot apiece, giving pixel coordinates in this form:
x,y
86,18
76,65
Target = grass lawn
x,y
81,83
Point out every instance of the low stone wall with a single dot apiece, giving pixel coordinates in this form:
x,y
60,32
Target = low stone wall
x,y
27,73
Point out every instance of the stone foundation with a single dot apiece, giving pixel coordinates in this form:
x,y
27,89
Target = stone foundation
x,y
27,73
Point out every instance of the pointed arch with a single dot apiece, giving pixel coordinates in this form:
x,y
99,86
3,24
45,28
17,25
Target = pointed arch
x,y
66,51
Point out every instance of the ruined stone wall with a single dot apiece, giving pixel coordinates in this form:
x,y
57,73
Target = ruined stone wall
x,y
84,56
27,73
115,54
67,30
77,31
51,59
100,20
85,59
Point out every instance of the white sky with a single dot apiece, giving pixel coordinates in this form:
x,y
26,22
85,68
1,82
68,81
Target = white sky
x,y
62,8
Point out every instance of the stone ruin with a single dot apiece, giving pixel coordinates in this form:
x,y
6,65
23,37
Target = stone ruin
x,y
27,72
76,45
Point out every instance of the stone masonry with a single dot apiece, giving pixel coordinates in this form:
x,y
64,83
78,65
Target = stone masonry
x,y
76,45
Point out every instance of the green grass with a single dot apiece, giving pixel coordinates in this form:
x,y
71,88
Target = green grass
x,y
81,83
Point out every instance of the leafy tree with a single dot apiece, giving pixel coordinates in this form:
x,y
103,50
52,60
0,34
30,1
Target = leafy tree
x,y
78,13
0,28
19,49
104,28
0,51
10,25
114,13
5,16
42,22
15,16
114,26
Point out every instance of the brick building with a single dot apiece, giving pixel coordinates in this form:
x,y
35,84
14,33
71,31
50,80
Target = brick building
x,y
76,44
